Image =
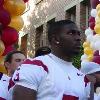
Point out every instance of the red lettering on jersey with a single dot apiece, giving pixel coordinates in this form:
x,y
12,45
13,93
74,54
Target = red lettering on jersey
x,y
11,83
86,80
2,98
36,62
69,97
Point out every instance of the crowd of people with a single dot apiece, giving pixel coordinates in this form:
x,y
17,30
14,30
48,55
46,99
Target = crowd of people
x,y
50,75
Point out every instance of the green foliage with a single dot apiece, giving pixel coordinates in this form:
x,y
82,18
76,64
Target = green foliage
x,y
77,59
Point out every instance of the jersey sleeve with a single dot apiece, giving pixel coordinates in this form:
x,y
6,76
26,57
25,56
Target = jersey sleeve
x,y
29,76
3,90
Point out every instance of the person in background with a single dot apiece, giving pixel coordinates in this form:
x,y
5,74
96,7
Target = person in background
x,y
92,72
42,51
52,76
12,60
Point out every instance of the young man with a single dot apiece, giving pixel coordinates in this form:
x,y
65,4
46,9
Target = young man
x,y
52,77
92,71
12,61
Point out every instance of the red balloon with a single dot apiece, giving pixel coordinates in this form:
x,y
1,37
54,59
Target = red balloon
x,y
94,3
92,25
91,19
8,49
1,3
96,59
9,36
96,53
4,17
25,1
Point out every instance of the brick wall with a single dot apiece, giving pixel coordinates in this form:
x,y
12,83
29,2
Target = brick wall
x,y
49,9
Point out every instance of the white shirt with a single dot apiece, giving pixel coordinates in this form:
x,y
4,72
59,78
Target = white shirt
x,y
52,78
4,81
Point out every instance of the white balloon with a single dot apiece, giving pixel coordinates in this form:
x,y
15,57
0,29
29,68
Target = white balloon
x,y
92,45
89,38
96,38
93,12
88,32
83,57
97,45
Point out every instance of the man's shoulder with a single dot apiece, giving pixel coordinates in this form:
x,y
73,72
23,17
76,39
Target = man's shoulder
x,y
4,77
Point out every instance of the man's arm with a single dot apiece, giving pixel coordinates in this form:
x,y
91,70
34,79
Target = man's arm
x,y
24,93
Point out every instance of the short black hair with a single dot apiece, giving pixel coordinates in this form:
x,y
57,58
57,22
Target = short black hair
x,y
42,51
55,27
8,57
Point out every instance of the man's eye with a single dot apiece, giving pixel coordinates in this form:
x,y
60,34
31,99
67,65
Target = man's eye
x,y
18,60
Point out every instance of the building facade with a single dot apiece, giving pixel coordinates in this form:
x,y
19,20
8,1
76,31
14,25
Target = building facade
x,y
47,11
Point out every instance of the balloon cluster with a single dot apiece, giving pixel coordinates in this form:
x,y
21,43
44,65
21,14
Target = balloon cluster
x,y
10,24
92,44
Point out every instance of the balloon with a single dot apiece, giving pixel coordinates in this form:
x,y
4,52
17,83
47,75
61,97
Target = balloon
x,y
92,19
9,36
97,28
88,51
92,25
17,23
84,57
8,49
25,1
96,53
96,59
90,38
15,7
94,3
4,17
2,60
90,57
88,32
96,37
93,12
97,21
1,3
98,7
97,45
98,13
2,47
3,69
86,44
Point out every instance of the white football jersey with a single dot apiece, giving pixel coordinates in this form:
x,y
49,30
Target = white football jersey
x,y
52,78
4,81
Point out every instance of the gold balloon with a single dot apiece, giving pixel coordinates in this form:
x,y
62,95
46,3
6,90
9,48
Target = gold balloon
x,y
90,57
2,47
17,23
88,51
15,7
97,28
97,21
86,44
2,60
98,13
98,7
3,69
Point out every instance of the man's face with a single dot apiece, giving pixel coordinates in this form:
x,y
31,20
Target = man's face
x,y
70,40
17,60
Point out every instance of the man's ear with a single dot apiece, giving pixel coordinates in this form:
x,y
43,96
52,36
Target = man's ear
x,y
55,39
6,64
